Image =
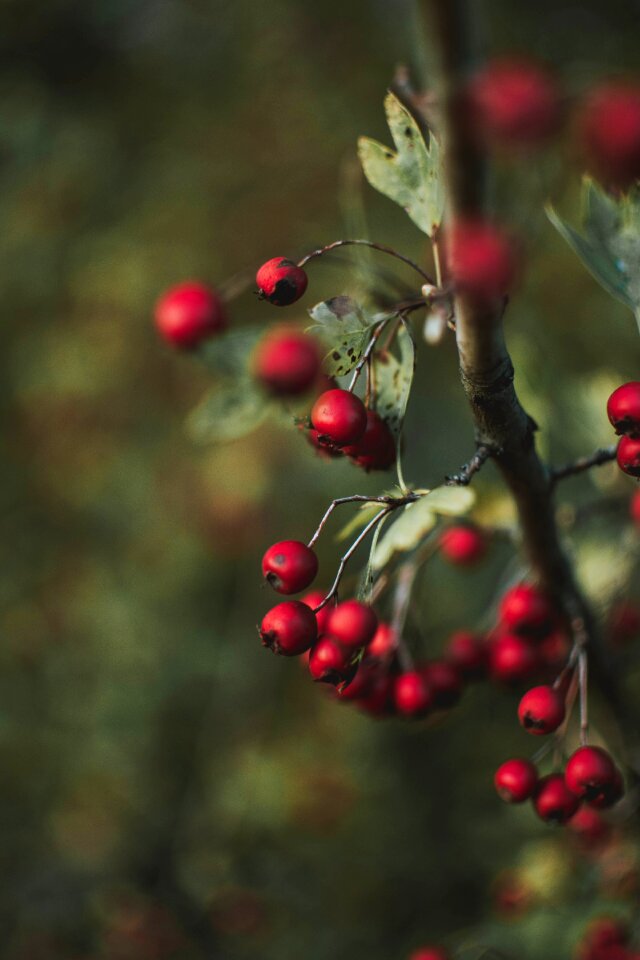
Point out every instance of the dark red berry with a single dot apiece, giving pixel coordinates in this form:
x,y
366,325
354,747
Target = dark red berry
x,y
623,409
340,417
287,363
289,628
189,313
378,699
526,609
313,600
628,456
515,780
384,642
512,658
514,101
376,448
289,566
590,773
553,801
412,694
603,932
482,261
352,623
634,508
624,623
553,650
329,661
325,450
468,653
281,282
361,683
445,682
609,127
430,953
609,796
463,544
541,710
589,827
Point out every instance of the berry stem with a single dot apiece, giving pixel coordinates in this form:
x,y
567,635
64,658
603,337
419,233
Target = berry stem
x,y
347,556
392,502
368,351
584,710
365,243
595,459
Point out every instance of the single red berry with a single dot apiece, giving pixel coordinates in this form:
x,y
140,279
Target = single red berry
x,y
589,827
624,623
289,628
412,694
553,650
609,127
515,780
526,609
352,623
590,773
339,416
287,363
329,661
322,448
289,566
445,682
281,282
189,313
468,653
623,409
376,448
384,642
553,801
628,456
313,600
512,658
430,953
482,261
541,710
378,699
361,683
609,797
606,932
514,101
463,544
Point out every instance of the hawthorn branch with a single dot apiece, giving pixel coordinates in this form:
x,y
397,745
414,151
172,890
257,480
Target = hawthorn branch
x,y
595,459
470,468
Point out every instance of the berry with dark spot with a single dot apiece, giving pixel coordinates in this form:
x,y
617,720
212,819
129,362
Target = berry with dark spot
x,y
482,261
623,409
281,282
412,694
289,566
289,628
329,661
515,780
376,448
515,102
609,127
553,801
189,313
463,544
352,623
527,610
628,456
287,363
340,417
609,797
541,710
590,773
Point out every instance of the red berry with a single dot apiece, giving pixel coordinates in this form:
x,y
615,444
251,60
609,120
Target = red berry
x,y
623,409
553,801
609,797
628,456
328,661
281,282
463,544
339,417
376,448
287,363
514,101
553,650
589,827
430,953
324,450
289,566
361,683
445,682
590,773
289,628
610,133
313,600
384,642
189,313
541,710
634,508
412,694
526,609
605,932
378,700
468,653
352,623
515,780
512,659
481,260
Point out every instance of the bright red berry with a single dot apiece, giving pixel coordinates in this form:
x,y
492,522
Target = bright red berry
x,y
468,653
384,642
590,773
313,600
289,628
445,682
623,409
610,132
541,710
287,363
514,101
609,797
189,313
339,416
430,953
412,694
628,456
281,282
376,448
512,659
482,261
553,801
515,780
289,566
329,661
352,623
463,544
526,609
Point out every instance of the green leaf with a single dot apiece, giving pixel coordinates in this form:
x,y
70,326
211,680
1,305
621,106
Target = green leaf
x,y
229,353
360,519
345,327
227,413
409,175
392,378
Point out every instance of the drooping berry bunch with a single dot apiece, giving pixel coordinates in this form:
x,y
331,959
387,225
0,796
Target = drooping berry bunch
x,y
623,410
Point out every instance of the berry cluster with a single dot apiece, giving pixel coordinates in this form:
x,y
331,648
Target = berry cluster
x,y
623,410
607,938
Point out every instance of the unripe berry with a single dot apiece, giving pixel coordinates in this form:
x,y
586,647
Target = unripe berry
x,y
515,780
590,773
482,262
189,313
445,682
553,801
430,953
289,628
463,544
339,416
352,623
384,642
541,710
610,132
512,659
412,694
514,101
623,409
313,600
376,448
289,566
628,456
281,282
468,653
287,363
526,609
328,661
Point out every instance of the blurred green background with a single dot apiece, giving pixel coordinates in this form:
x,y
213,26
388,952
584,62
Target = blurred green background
x,y
168,788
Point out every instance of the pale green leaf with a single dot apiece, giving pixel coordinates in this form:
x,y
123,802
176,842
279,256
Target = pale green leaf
x,y
392,378
227,413
360,519
345,328
229,353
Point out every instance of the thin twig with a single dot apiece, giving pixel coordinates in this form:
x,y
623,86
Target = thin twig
x,y
365,243
368,351
584,715
386,499
347,556
401,599
470,468
596,459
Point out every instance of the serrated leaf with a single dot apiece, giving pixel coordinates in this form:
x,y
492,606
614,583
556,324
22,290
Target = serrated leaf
x,y
228,354
392,378
409,175
345,327
228,413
